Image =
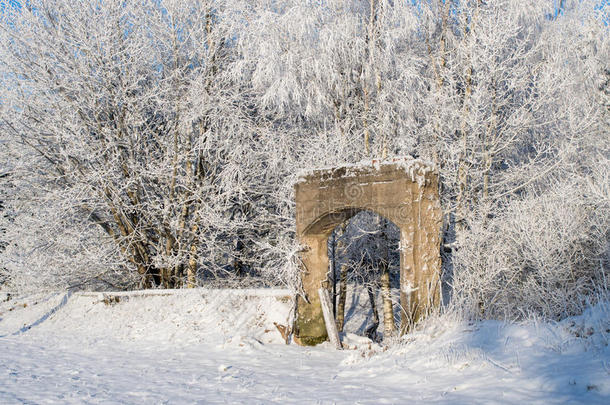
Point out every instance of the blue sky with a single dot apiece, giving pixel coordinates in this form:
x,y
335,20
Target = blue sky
x,y
9,3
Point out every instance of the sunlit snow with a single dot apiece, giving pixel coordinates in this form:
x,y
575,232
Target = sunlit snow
x,y
221,346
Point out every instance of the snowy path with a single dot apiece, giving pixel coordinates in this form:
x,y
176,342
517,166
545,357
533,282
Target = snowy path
x,y
71,358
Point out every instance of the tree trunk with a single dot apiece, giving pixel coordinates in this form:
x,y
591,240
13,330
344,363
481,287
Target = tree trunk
x,y
342,296
342,282
386,293
333,275
191,272
371,331
388,307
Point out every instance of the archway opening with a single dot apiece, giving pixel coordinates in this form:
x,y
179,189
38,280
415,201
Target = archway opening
x,y
364,276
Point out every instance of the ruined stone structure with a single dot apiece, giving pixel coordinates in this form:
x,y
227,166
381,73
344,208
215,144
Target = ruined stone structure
x,y
405,191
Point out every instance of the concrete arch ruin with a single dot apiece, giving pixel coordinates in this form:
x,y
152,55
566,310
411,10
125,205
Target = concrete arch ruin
x,y
404,191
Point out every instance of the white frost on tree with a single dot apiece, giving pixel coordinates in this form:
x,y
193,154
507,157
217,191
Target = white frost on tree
x,y
156,143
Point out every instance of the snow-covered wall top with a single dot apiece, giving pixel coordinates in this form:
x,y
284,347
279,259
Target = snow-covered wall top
x,y
416,169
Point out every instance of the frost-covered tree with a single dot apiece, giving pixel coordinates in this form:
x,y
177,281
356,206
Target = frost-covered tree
x,y
541,244
134,137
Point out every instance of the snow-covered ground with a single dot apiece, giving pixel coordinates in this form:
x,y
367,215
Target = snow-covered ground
x,y
219,346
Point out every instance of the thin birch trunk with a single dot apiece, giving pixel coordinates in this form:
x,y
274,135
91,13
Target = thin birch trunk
x,y
191,272
388,307
333,275
342,283
386,294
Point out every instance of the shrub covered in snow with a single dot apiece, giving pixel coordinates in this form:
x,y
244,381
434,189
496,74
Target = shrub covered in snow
x,y
544,254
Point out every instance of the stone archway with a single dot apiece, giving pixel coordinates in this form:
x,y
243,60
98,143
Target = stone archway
x,y
405,191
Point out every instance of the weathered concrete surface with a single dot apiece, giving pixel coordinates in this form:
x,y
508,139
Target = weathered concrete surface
x,y
403,190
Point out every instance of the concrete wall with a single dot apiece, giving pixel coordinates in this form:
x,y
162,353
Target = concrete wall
x,y
405,191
